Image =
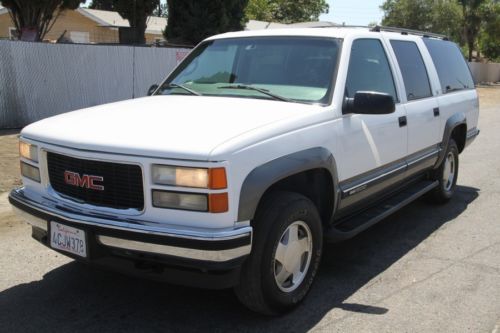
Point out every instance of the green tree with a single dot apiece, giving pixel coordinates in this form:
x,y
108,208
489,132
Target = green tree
x,y
472,19
102,5
34,18
286,11
136,12
472,23
438,16
191,21
161,10
489,38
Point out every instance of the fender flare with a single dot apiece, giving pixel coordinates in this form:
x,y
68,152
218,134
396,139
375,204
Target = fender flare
x,y
452,122
260,179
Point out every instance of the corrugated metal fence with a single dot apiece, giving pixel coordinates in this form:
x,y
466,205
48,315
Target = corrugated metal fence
x,y
485,72
40,80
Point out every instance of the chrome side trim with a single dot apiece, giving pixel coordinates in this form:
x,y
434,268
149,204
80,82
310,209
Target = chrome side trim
x,y
357,188
30,219
207,255
391,169
424,157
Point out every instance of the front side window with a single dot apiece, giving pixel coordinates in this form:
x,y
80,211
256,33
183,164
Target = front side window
x,y
413,69
298,69
451,67
369,69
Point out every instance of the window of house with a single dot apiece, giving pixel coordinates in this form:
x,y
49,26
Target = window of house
x,y
413,69
13,35
369,69
82,37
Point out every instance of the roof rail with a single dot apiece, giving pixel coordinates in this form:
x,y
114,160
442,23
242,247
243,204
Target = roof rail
x,y
403,31
379,28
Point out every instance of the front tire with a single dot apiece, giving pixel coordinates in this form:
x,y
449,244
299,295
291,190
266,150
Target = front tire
x,y
447,175
286,252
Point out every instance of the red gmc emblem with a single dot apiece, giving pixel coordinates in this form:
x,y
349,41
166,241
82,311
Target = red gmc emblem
x,y
84,181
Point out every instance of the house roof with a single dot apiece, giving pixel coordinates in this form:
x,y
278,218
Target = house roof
x,y
155,25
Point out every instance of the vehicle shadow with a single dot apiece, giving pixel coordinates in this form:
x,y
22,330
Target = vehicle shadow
x,y
76,298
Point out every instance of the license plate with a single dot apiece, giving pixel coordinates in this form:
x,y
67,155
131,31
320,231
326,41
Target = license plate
x,y
68,239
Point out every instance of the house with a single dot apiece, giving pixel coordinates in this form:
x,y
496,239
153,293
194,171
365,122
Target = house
x,y
85,25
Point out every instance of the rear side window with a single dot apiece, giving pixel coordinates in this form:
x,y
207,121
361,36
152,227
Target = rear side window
x,y
369,69
453,72
413,69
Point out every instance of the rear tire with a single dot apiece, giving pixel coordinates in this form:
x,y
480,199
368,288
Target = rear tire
x,y
286,253
447,175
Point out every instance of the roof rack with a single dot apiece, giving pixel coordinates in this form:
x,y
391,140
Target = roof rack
x,y
379,28
403,31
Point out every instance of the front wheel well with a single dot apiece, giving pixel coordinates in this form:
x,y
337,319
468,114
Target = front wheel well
x,y
316,185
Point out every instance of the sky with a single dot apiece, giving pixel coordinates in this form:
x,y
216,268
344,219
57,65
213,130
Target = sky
x,y
354,12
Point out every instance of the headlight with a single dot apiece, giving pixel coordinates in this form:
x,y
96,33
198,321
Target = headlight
x,y
177,200
190,177
29,151
30,171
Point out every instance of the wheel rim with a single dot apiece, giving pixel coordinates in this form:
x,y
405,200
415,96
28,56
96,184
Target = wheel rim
x,y
293,256
449,171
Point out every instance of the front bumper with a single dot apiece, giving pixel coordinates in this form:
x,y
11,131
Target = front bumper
x,y
142,244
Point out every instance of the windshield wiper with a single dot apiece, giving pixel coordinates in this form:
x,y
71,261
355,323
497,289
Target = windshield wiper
x,y
175,85
261,90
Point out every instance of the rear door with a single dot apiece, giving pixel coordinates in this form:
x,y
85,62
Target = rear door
x,y
422,109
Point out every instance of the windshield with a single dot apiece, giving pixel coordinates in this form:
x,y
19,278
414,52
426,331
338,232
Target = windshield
x,y
297,69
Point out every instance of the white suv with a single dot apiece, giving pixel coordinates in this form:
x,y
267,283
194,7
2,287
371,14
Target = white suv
x,y
258,148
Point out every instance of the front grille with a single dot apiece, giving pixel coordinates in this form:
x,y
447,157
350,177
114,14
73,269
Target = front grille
x,y
122,183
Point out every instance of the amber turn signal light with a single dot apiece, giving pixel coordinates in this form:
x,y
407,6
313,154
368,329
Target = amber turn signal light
x,y
218,202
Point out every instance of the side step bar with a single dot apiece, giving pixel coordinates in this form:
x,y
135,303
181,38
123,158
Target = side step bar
x,y
353,225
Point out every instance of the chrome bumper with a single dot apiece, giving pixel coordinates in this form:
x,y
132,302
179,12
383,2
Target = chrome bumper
x,y
215,246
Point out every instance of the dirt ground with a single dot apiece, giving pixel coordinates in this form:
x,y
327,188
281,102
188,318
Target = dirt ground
x,y
424,269
9,161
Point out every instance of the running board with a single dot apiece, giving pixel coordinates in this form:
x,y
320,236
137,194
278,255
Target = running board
x,y
353,225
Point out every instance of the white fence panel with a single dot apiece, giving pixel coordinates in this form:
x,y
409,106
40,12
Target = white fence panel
x,y
40,80
485,72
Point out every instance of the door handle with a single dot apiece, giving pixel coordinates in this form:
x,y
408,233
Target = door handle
x,y
436,112
402,121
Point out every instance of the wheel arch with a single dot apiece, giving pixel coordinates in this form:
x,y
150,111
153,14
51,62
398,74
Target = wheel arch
x,y
456,128
309,172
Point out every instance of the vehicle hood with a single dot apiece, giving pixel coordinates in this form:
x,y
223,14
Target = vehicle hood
x,y
177,127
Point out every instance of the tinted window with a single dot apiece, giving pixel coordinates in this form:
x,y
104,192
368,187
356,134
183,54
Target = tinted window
x,y
413,69
369,69
454,74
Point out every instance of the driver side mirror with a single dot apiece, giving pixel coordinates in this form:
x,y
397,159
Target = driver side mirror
x,y
152,89
369,102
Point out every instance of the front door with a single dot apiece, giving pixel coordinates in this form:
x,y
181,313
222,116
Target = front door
x,y
373,146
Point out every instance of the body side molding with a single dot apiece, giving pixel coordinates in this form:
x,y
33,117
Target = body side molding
x,y
263,177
